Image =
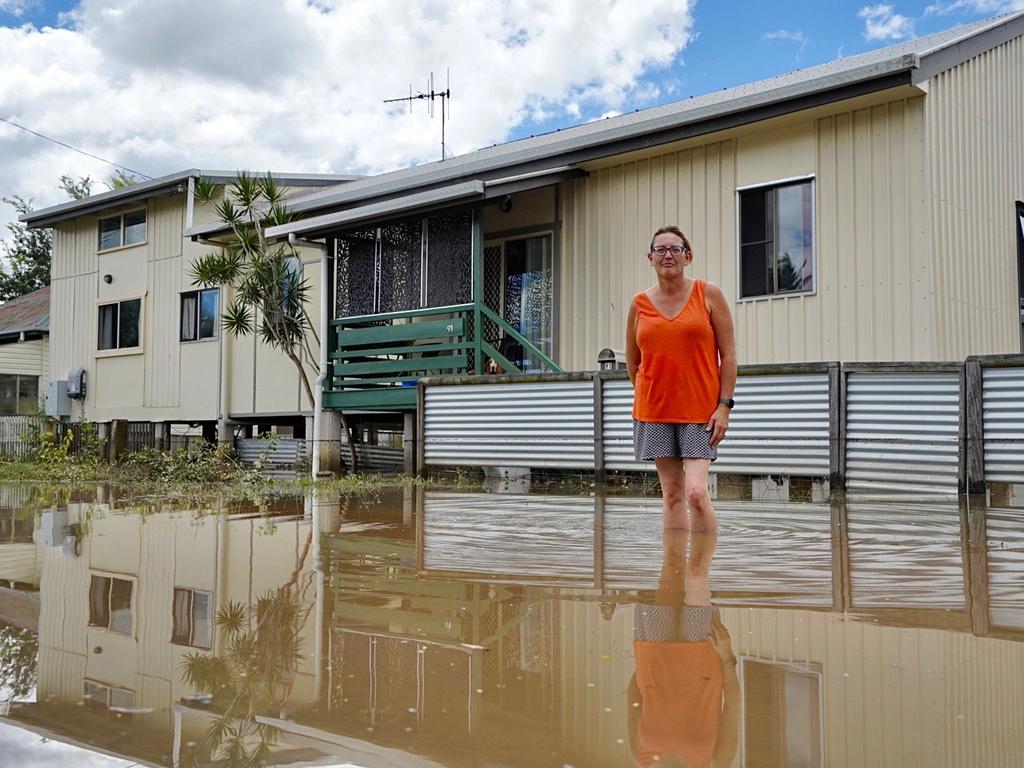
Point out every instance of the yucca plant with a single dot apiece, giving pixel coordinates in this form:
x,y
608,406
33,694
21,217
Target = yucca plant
x,y
269,294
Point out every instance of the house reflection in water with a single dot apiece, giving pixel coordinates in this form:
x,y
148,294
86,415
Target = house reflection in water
x,y
451,629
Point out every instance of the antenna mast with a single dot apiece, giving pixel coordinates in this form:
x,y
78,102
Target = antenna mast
x,y
430,95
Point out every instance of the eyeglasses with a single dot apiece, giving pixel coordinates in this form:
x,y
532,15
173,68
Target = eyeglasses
x,y
675,250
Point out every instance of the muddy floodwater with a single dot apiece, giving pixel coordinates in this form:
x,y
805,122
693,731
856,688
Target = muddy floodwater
x,y
417,628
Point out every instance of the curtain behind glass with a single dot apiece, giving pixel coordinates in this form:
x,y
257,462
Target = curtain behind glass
x,y
108,326
188,316
99,607
181,614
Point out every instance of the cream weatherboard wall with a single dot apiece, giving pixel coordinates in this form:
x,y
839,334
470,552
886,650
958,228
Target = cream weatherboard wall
x,y
974,117
873,289
157,553
28,358
165,379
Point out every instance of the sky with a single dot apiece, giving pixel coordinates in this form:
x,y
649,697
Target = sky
x,y
158,86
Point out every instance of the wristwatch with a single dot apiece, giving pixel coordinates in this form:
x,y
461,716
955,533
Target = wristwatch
x,y
728,402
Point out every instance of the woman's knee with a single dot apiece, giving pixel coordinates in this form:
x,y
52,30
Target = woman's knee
x,y
697,497
673,494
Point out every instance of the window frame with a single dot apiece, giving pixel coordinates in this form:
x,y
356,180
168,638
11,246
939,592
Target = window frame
x,y
119,350
110,589
198,294
191,618
775,184
108,690
17,393
121,232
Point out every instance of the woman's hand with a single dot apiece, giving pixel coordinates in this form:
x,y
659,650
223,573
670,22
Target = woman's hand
x,y
721,641
718,424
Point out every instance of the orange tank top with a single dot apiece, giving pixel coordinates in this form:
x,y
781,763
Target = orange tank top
x,y
678,379
681,688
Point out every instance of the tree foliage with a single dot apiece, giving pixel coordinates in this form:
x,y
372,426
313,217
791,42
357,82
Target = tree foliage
x,y
25,254
268,293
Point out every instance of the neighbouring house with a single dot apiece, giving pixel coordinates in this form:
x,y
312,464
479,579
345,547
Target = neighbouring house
x,y
125,310
24,352
867,209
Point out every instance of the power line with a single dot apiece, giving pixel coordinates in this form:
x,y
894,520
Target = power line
x,y
75,149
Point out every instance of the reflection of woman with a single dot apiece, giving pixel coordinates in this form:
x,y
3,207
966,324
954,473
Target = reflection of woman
x,y
683,700
681,358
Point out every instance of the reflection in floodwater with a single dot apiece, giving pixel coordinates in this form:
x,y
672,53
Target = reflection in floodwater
x,y
463,629
683,699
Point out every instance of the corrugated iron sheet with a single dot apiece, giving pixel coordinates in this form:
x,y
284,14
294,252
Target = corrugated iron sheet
x,y
780,426
540,425
903,432
1005,529
905,557
767,553
1003,403
529,536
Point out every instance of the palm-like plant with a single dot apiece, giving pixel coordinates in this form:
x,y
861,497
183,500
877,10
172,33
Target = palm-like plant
x,y
253,676
270,296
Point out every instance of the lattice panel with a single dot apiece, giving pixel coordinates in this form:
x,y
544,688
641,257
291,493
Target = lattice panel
x,y
354,261
400,266
492,289
449,259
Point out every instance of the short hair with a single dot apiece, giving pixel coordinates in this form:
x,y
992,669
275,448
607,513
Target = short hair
x,y
674,230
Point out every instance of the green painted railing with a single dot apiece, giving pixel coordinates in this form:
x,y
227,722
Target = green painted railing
x,y
376,360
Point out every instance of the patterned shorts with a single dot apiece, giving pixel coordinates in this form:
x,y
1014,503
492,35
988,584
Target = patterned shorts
x,y
653,440
672,623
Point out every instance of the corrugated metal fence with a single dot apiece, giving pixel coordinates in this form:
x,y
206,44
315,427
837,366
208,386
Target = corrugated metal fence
x,y
870,428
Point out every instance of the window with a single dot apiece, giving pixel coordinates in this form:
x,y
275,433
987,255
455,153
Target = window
x,y
19,395
193,618
100,696
781,713
119,324
123,229
110,604
199,315
776,239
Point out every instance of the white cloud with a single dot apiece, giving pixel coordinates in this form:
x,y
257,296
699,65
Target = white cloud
x,y
881,22
796,36
293,85
980,7
17,7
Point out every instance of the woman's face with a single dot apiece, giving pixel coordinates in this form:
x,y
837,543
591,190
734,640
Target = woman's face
x,y
669,256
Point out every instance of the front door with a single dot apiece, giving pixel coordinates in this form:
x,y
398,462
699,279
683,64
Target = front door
x,y
1020,269
519,285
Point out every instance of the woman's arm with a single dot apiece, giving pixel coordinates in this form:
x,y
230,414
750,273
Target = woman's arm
x,y
634,703
632,348
725,338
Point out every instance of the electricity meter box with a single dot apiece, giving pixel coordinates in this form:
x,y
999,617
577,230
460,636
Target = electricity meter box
x,y
76,383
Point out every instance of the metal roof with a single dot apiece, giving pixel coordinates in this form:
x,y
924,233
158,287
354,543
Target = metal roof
x,y
906,63
165,185
28,314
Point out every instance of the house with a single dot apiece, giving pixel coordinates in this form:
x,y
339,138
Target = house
x,y
126,311
867,209
24,352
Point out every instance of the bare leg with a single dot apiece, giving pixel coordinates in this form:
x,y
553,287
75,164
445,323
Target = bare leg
x,y
673,492
698,566
673,567
702,514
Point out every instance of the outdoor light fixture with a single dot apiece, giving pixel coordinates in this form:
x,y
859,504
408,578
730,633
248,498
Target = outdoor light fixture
x,y
108,279
505,204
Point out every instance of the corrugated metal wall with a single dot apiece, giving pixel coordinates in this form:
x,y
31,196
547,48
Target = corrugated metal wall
x,y
1005,539
974,115
781,428
533,425
530,536
902,432
1003,420
905,557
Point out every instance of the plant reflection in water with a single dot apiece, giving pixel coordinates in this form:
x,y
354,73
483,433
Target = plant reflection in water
x,y
253,675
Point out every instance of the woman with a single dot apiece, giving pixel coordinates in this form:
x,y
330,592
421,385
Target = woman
x,y
682,704
681,358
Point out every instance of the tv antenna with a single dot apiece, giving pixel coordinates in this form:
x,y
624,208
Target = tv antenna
x,y
429,96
